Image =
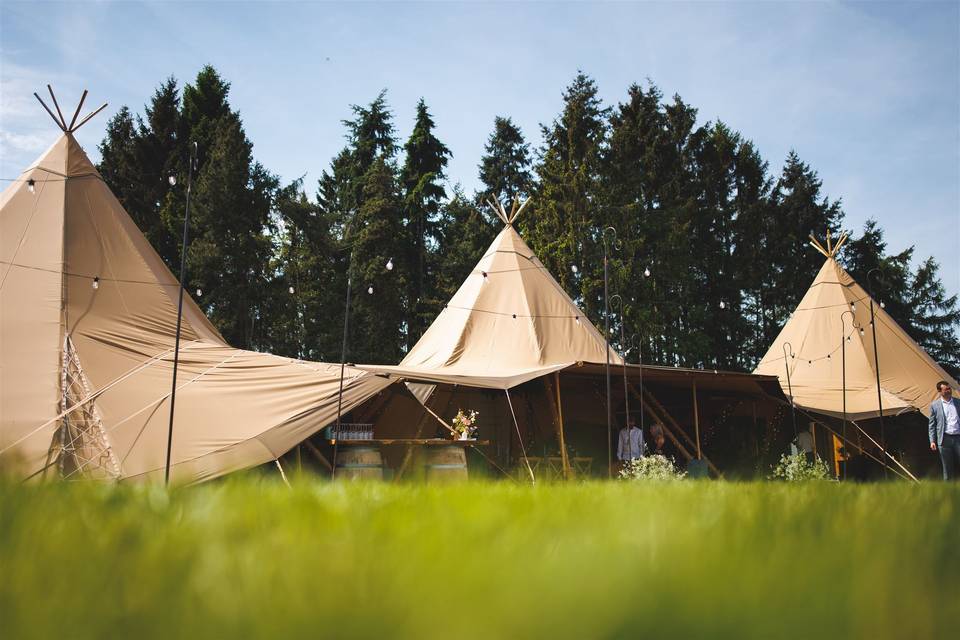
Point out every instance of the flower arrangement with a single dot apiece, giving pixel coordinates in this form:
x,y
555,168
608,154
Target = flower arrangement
x,y
464,424
797,468
657,468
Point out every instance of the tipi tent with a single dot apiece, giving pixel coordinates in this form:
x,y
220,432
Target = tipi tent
x,y
87,321
510,322
836,308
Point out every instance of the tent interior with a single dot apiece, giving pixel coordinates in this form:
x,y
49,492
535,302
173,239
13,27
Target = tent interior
x,y
742,421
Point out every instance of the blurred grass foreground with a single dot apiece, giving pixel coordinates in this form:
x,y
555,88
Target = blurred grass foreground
x,y
251,558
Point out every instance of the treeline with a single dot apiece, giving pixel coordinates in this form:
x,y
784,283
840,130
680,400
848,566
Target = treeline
x,y
710,254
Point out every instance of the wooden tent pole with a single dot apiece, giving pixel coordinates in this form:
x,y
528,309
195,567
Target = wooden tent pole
x,y
312,448
696,420
557,411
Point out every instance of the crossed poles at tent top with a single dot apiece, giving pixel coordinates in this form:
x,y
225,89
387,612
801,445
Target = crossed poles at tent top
x,y
60,121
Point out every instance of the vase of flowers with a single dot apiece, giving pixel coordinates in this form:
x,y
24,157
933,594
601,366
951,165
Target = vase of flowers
x,y
464,425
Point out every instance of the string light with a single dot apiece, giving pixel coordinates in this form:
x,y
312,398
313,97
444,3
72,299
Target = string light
x,y
882,305
853,305
646,272
96,282
370,290
389,266
573,268
722,305
514,316
32,185
199,292
578,319
172,180
291,289
484,276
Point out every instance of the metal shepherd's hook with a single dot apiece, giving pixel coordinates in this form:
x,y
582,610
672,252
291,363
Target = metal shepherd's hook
x,y
183,276
786,364
606,337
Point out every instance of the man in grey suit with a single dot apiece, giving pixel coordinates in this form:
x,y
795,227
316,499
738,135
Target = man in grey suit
x,y
944,430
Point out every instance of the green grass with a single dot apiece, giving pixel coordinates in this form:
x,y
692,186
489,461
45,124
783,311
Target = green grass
x,y
250,558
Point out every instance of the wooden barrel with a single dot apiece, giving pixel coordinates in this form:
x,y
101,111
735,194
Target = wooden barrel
x,y
445,463
359,463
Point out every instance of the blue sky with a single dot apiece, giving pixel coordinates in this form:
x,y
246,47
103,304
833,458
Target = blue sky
x,y
868,94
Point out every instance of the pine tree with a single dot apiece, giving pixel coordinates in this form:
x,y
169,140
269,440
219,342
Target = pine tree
x,y
934,317
376,236
360,201
466,234
751,248
505,165
421,178
565,226
798,210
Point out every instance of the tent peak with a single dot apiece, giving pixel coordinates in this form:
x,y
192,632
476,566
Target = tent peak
x,y
515,210
60,121
830,251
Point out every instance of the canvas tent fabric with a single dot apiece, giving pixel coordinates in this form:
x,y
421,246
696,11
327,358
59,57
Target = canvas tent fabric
x,y
87,322
510,322
908,375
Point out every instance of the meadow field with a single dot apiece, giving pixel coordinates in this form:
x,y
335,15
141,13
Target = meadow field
x,y
251,558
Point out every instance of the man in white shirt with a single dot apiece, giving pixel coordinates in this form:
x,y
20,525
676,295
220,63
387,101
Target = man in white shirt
x,y
630,444
806,445
944,430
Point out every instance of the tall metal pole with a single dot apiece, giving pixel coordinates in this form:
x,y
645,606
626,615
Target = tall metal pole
x,y
843,365
876,366
343,364
176,341
606,338
786,364
623,348
634,343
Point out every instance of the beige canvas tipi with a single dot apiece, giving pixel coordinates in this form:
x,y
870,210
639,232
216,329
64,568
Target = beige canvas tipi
x,y
87,323
836,308
509,322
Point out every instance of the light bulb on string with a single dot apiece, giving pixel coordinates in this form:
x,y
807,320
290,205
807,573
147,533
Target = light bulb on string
x,y
390,264
96,282
172,181
370,290
199,292
577,318
291,290
861,331
853,306
722,305
882,305
32,185
573,268
484,273
646,272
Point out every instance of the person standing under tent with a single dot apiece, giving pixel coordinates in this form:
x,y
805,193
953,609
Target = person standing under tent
x,y
630,445
805,445
944,430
